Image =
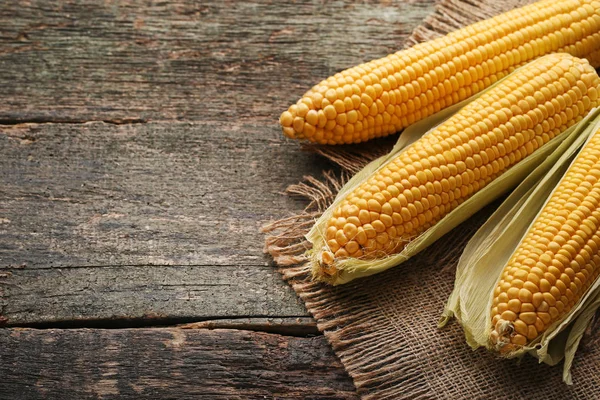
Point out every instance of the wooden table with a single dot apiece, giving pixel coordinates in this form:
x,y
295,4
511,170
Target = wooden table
x,y
140,154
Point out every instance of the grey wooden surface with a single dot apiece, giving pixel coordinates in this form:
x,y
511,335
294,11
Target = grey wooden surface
x,y
139,155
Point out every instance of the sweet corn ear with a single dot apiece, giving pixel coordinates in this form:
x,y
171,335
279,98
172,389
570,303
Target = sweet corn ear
x,y
557,260
435,174
385,95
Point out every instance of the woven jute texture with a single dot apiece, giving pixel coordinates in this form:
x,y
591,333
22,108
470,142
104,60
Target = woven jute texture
x,y
384,328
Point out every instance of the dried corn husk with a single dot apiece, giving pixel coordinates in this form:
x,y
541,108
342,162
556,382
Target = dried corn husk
x,y
352,268
489,250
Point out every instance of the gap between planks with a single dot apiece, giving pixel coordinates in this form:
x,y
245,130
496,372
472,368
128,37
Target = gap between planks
x,y
300,326
6,122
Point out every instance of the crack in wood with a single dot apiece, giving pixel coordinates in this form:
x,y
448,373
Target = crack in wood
x,y
40,120
116,266
297,326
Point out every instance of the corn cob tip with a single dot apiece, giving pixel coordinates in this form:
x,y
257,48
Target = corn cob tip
x,y
312,115
326,266
500,338
326,259
287,120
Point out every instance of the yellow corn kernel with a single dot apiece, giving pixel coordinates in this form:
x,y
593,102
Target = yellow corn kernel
x,y
385,95
435,174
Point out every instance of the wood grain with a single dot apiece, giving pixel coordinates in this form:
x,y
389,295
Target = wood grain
x,y
160,211
98,194
143,295
167,363
104,221
81,60
299,326
129,223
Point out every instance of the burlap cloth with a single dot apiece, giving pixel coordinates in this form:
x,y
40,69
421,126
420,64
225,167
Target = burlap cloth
x,y
384,328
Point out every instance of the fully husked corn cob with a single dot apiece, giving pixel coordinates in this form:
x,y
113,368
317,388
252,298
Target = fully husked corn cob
x,y
557,260
438,172
385,95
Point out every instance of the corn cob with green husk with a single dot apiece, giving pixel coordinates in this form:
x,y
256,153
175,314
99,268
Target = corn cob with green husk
x,y
557,260
421,191
386,95
528,280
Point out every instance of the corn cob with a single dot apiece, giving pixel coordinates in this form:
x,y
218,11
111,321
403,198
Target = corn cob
x,y
557,260
438,172
385,95
548,223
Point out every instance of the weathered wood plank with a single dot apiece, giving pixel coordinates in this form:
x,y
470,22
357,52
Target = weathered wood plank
x,y
98,194
143,295
167,363
79,60
104,221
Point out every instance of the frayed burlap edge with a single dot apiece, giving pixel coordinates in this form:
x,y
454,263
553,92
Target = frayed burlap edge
x,y
343,323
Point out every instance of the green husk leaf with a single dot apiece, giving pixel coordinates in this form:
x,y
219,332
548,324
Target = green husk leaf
x,y
486,254
353,268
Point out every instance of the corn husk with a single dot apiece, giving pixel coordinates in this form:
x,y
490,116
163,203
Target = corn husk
x,y
487,253
353,268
